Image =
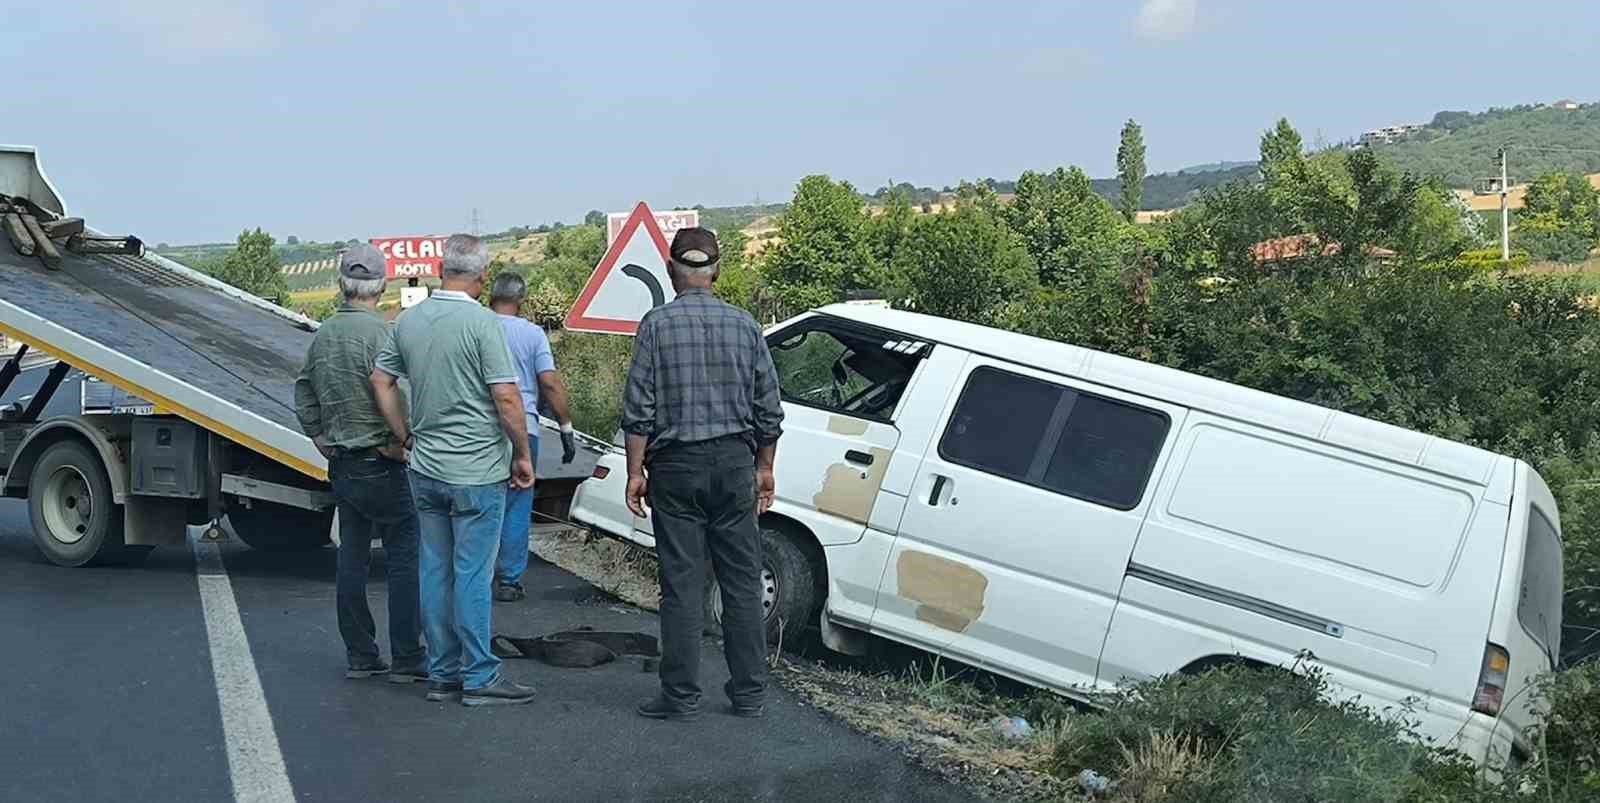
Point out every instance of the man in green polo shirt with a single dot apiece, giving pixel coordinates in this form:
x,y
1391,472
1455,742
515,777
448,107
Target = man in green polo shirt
x,y
467,439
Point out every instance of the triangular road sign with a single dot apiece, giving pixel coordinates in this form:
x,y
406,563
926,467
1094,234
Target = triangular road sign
x,y
630,280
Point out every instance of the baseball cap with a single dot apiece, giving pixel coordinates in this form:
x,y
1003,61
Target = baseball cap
x,y
695,247
363,261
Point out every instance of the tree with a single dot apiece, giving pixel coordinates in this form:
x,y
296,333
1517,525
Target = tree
x,y
738,283
964,264
292,240
1130,169
253,267
1561,218
1280,145
594,217
889,227
824,250
584,243
1068,229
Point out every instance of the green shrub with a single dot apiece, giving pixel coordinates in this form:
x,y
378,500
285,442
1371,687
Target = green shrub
x,y
1570,735
1488,259
1250,734
1564,245
594,368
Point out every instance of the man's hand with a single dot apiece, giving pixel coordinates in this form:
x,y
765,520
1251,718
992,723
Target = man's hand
x,y
395,452
569,444
766,490
522,472
638,489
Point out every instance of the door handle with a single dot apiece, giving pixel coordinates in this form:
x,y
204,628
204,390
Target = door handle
x,y
938,487
862,458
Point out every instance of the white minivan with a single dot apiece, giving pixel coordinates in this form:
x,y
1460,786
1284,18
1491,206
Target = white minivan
x,y
1072,519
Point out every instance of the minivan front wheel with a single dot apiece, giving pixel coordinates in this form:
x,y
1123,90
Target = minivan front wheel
x,y
788,589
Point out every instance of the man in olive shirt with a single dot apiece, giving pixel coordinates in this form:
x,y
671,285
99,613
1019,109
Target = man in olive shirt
x,y
468,438
335,405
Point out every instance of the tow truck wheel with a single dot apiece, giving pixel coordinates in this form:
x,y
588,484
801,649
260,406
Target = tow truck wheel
x,y
788,589
280,528
74,518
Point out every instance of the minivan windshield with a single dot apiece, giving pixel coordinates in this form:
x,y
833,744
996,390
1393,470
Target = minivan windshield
x,y
1539,608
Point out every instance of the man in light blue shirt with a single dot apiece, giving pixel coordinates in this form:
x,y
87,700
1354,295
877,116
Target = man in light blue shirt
x,y
536,372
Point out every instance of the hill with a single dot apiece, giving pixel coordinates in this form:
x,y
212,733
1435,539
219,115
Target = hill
x,y
1459,147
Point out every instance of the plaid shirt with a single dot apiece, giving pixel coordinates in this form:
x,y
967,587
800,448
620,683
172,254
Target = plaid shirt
x,y
701,371
333,393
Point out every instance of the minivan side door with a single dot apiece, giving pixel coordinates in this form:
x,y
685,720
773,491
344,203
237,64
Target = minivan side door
x,y
1022,518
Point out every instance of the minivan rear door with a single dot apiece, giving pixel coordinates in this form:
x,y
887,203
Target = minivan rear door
x,y
1021,521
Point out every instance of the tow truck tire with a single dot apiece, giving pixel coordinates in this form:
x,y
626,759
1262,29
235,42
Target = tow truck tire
x,y
280,528
74,518
788,589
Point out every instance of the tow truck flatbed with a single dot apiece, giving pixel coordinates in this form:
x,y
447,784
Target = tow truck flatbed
x,y
217,366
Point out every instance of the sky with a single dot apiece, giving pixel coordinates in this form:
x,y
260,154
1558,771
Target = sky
x,y
190,121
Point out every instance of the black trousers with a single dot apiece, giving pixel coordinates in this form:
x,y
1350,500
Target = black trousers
x,y
702,503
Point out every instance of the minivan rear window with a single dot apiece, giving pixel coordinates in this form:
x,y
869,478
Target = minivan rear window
x,y
1539,608
1054,437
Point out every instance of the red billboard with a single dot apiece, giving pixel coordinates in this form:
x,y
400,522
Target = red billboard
x,y
411,257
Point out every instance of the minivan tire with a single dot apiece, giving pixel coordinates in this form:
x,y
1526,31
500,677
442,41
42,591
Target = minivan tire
x,y
67,480
788,594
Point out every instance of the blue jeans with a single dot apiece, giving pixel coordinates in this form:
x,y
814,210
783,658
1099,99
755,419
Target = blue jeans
x,y
374,500
513,560
460,527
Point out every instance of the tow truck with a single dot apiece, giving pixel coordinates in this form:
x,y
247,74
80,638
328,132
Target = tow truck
x,y
191,421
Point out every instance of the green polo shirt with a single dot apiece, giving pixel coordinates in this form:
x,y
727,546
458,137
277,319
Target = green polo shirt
x,y
452,349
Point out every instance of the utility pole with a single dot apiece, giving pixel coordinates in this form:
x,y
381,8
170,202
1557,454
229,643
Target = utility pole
x,y
475,218
1505,210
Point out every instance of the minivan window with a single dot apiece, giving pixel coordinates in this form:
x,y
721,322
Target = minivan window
x,y
839,369
1074,443
1539,608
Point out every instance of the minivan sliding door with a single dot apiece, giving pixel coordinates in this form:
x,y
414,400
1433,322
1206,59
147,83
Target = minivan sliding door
x,y
1021,520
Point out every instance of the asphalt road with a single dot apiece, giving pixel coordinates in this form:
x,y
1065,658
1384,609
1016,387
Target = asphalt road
x,y
112,696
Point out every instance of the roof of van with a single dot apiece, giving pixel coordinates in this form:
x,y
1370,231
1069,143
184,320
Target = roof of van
x,y
1190,390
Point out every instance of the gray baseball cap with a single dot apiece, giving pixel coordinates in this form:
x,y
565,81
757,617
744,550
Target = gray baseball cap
x,y
362,261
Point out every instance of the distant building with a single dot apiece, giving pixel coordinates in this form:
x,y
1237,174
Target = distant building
x,y
1387,135
1566,105
1284,250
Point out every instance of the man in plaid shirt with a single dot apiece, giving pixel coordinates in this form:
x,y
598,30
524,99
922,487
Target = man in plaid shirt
x,y
702,415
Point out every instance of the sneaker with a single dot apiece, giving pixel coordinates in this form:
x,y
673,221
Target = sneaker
x,y
501,692
441,690
366,670
662,708
409,674
509,592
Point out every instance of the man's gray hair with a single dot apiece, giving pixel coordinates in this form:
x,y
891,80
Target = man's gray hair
x,y
708,269
509,288
465,256
353,289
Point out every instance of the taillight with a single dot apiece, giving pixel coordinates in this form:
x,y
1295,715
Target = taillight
x,y
601,472
1492,680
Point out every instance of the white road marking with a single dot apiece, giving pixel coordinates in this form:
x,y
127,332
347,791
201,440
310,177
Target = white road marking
x,y
255,764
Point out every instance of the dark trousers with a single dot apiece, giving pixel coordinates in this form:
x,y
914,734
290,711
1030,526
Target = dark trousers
x,y
702,503
374,500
